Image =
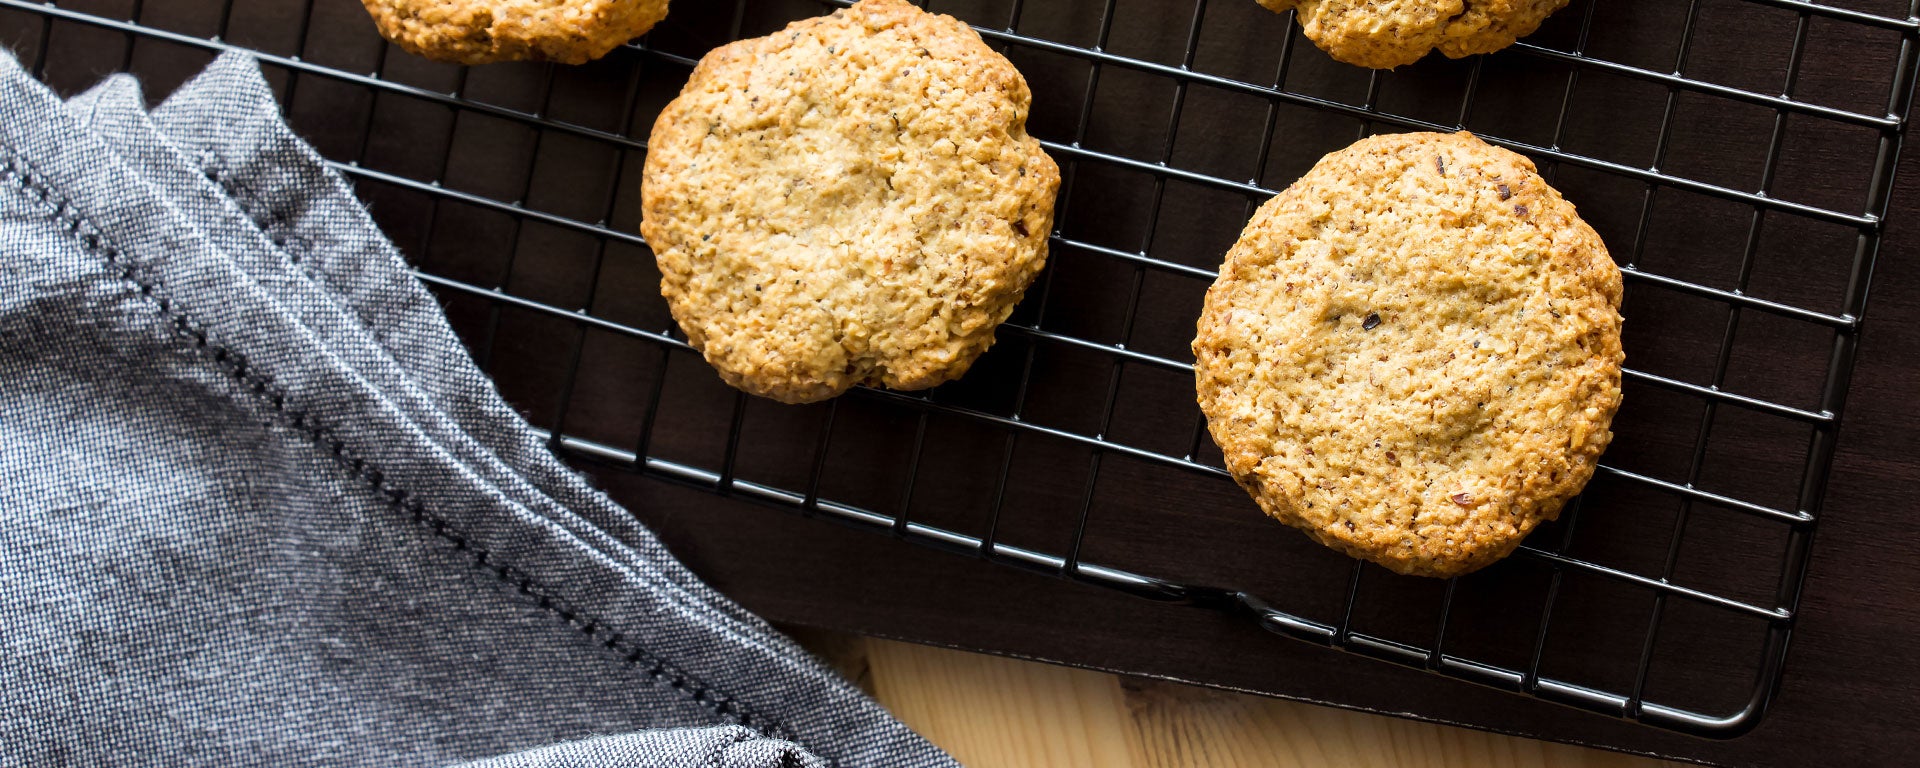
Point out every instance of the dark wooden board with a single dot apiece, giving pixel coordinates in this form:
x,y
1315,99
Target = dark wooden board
x,y
1850,695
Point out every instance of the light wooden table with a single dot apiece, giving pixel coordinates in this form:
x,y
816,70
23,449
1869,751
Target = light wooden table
x,y
990,712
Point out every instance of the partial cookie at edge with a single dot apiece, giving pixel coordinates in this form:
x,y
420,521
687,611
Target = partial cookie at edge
x,y
1384,35
483,31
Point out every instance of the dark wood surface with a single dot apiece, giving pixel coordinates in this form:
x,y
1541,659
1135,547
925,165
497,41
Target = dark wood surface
x,y
1850,696
1851,692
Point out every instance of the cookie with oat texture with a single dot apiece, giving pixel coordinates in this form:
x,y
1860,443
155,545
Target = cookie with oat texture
x,y
852,200
483,31
1383,34
1413,353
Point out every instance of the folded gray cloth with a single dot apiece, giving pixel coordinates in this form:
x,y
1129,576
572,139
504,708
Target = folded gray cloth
x,y
258,507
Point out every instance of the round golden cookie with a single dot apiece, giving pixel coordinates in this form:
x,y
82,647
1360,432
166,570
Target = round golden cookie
x,y
1413,353
1384,34
482,31
851,200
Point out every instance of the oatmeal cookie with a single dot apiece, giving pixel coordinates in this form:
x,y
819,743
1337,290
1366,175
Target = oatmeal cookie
x,y
851,200
482,31
1413,353
1384,34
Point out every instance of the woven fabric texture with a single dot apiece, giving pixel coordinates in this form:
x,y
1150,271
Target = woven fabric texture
x,y
258,507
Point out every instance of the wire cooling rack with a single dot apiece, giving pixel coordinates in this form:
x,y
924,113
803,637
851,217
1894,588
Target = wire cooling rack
x,y
1737,156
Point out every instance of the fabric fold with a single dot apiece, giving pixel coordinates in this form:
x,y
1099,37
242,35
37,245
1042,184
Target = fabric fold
x,y
263,509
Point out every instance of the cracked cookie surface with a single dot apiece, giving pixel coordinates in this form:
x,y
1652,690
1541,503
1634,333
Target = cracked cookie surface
x,y
851,200
1413,353
483,31
1384,34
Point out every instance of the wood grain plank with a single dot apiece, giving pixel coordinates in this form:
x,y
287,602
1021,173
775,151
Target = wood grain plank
x,y
989,711
1182,726
992,711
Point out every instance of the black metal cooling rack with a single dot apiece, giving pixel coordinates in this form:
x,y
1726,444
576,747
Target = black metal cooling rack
x,y
1074,57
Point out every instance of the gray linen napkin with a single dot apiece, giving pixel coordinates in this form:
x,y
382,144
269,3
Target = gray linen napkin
x,y
258,507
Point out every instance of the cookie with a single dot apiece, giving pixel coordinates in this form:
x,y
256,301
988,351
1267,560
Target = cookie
x,y
1384,35
851,200
1413,353
482,31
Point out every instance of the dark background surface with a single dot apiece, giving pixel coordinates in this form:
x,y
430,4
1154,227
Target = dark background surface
x,y
1157,192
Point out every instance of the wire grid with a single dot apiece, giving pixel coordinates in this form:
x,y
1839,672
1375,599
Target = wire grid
x,y
1076,155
